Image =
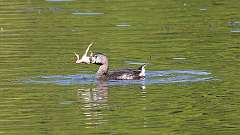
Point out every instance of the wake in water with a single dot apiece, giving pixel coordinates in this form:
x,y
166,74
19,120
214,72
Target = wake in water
x,y
152,77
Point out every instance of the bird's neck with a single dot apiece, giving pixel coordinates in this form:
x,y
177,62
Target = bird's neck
x,y
103,70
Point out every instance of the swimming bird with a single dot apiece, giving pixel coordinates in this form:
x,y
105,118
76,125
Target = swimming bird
x,y
104,73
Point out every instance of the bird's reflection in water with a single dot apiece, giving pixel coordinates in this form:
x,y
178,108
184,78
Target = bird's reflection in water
x,y
95,103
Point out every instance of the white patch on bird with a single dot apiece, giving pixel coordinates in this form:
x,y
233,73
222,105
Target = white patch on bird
x,y
142,73
125,77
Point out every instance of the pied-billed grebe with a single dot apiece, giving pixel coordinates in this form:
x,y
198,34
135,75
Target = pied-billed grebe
x,y
104,74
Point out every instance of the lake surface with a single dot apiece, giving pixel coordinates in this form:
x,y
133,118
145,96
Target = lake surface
x,y
191,47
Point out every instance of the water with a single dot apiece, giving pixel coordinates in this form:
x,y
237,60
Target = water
x,y
191,48
152,77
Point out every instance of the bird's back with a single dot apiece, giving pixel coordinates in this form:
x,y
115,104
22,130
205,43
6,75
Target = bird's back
x,y
127,74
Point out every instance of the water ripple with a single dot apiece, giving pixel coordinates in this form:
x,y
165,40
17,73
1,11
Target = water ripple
x,y
59,0
87,13
152,77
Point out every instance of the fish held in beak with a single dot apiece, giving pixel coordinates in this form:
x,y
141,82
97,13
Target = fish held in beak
x,y
84,59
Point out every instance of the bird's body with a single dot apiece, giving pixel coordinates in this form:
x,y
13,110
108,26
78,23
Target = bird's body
x,y
124,74
117,74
